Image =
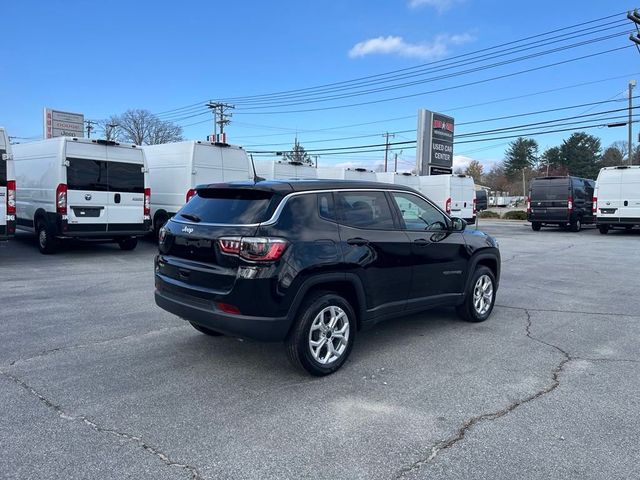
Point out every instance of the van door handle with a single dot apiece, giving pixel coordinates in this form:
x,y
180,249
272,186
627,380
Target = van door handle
x,y
358,241
421,242
116,198
626,203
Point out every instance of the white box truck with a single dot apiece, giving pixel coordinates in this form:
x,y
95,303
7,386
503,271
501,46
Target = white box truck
x,y
455,194
338,173
82,188
616,199
176,169
7,189
279,170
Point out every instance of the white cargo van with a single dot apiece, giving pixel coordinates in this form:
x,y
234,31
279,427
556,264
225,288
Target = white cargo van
x,y
278,170
81,188
338,173
455,194
176,169
7,189
616,199
399,178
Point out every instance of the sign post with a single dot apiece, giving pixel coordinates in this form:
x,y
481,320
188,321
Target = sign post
x,y
434,154
63,124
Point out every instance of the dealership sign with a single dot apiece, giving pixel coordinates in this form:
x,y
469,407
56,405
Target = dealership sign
x,y
434,155
63,124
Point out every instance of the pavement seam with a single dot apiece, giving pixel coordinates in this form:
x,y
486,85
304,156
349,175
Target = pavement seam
x,y
528,254
50,351
469,424
194,474
568,311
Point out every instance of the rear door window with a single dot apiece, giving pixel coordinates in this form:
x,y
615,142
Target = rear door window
x,y
3,170
368,210
550,191
228,206
84,174
125,177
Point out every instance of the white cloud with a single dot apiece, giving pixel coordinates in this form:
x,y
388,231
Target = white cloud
x,y
439,5
462,162
394,45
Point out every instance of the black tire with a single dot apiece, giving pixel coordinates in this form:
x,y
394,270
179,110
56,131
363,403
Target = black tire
x,y
576,226
467,310
536,226
158,223
206,331
47,243
604,229
311,314
128,243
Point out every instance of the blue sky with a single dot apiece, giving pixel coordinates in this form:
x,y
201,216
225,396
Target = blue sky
x,y
163,56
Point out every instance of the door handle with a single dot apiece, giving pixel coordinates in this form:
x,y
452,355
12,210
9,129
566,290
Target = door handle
x,y
421,242
116,198
358,241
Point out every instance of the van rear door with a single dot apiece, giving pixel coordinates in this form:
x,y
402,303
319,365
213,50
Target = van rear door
x,y
3,194
125,203
609,194
550,199
457,197
630,195
87,193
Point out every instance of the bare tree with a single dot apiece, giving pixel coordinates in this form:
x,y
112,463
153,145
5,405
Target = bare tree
x,y
474,169
141,127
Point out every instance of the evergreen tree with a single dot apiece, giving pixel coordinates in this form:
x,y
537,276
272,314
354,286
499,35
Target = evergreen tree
x,y
522,154
298,154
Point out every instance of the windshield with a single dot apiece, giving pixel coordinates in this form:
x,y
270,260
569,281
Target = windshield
x,y
227,206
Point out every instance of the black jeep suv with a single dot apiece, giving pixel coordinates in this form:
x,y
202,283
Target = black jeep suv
x,y
311,262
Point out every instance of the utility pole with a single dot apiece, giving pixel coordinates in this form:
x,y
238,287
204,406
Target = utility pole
x,y
317,156
395,162
220,116
524,185
90,128
386,147
632,83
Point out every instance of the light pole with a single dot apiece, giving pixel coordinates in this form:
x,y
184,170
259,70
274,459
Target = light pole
x,y
632,83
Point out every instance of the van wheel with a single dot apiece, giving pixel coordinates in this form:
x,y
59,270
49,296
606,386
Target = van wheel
x,y
47,243
128,243
604,229
480,296
323,335
206,331
536,226
576,226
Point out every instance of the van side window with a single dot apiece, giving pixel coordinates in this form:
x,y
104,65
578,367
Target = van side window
x,y
364,210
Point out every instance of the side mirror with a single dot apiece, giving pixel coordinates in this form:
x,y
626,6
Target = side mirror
x,y
458,224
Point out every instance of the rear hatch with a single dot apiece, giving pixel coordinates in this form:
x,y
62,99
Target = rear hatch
x,y
191,246
609,194
550,199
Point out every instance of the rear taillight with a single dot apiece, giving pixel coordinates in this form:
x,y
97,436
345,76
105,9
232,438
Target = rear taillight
x,y
61,199
228,308
147,202
11,197
447,206
190,193
528,204
570,204
259,249
594,210
475,204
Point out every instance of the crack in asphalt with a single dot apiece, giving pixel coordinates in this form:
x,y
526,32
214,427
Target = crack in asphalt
x,y
528,254
50,351
569,311
469,424
193,471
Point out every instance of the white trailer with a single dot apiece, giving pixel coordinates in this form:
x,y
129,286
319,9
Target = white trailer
x,y
7,188
455,194
337,173
278,170
616,199
176,169
82,188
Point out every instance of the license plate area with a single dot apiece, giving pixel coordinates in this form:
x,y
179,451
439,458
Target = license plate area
x,y
608,211
87,212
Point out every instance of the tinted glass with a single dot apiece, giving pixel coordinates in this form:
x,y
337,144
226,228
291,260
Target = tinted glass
x,y
419,214
83,174
3,170
125,177
364,210
550,190
230,206
326,208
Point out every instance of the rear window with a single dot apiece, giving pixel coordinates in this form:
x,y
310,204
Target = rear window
x,y
229,206
125,177
3,170
99,175
550,190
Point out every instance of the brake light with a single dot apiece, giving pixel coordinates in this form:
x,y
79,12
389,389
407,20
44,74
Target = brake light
x,y
261,249
475,202
61,199
147,202
570,204
190,193
595,205
11,197
528,204
447,206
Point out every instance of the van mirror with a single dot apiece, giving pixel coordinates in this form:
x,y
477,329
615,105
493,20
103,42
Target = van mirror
x,y
458,224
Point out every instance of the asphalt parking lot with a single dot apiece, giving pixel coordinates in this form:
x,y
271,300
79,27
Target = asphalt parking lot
x,y
97,382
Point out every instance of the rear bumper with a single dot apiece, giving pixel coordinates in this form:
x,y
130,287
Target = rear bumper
x,y
205,313
92,230
617,221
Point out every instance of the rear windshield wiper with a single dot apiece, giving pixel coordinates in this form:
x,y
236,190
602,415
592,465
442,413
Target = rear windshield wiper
x,y
191,216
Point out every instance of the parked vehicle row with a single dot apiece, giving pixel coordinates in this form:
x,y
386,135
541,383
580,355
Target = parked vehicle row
x,y
612,201
7,189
